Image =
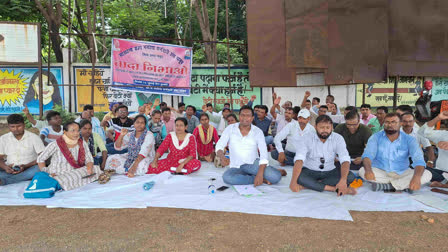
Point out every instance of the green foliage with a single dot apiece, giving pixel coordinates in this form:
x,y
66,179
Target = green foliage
x,y
236,57
139,20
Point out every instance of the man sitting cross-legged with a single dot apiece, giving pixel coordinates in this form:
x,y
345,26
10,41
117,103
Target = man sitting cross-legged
x,y
293,133
386,159
356,136
440,138
314,161
244,141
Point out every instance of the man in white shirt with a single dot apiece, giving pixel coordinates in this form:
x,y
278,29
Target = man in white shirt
x,y
245,141
96,124
408,126
293,133
21,149
281,120
314,161
440,138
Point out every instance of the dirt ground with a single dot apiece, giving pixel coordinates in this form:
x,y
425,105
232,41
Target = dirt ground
x,y
164,229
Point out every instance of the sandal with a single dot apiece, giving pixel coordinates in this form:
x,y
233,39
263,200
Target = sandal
x,y
105,176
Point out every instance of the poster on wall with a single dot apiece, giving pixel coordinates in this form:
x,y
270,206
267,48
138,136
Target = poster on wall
x,y
382,94
151,67
19,87
202,79
439,89
103,93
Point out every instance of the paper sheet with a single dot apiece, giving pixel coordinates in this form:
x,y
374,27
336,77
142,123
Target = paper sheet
x,y
377,197
432,201
247,190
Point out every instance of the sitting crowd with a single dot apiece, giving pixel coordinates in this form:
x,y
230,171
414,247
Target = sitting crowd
x,y
389,150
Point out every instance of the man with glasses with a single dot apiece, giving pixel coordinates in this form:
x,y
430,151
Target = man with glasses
x,y
386,159
121,121
314,166
356,136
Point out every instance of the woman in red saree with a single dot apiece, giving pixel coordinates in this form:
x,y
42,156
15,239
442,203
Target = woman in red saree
x,y
182,157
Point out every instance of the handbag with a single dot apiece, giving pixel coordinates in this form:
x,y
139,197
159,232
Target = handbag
x,y
42,186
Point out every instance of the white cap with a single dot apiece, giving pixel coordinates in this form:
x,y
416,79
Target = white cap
x,y
304,113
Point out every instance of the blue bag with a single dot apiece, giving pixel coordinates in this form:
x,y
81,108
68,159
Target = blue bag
x,y
42,186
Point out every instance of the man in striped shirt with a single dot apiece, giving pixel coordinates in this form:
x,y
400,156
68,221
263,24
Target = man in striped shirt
x,y
121,121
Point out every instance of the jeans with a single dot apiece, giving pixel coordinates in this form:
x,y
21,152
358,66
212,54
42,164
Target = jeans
x,y
245,175
436,174
269,140
289,156
98,160
111,149
353,167
317,180
28,174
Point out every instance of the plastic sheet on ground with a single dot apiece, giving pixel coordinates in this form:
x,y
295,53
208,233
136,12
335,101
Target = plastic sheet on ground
x,y
191,192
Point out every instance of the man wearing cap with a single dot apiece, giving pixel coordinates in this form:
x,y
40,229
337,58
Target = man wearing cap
x,y
293,133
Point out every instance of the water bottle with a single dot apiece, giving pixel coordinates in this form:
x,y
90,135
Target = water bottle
x,y
211,186
148,186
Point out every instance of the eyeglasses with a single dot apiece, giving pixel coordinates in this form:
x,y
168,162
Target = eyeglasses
x,y
322,161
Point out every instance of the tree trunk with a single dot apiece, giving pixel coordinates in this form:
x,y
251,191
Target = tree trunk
x,y
90,31
103,28
54,20
204,23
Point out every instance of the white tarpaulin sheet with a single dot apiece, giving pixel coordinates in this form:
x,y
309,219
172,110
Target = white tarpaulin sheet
x,y
191,192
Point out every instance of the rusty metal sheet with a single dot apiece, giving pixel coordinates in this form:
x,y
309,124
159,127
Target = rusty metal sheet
x,y
418,34
358,41
267,45
307,33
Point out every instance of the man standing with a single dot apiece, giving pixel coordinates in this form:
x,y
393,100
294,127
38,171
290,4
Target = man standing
x,y
366,114
377,124
293,133
248,153
356,136
314,161
386,159
20,148
192,120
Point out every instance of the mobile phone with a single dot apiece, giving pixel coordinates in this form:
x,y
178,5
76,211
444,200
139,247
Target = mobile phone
x,y
222,188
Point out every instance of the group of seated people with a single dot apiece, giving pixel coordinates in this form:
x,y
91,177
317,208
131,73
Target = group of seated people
x,y
322,145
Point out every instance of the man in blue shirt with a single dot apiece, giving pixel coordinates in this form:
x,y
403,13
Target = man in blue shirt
x,y
386,159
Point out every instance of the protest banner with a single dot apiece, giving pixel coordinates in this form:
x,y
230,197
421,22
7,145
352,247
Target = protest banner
x,y
439,89
103,92
151,67
202,79
382,94
19,86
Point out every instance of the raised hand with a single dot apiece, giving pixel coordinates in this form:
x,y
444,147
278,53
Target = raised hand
x,y
123,132
277,100
253,97
443,115
26,110
307,94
